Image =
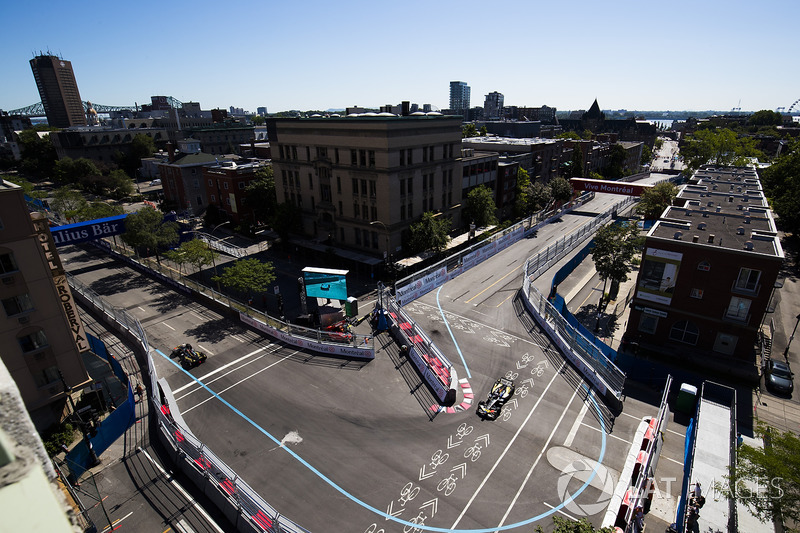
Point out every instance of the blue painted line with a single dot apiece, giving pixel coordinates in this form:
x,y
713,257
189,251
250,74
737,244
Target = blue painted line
x,y
447,325
387,516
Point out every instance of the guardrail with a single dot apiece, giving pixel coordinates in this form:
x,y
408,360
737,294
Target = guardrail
x,y
590,361
242,505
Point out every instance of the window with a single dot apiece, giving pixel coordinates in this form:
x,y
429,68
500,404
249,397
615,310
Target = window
x,y
372,158
685,331
402,187
225,185
213,198
410,156
33,341
340,213
705,266
199,200
738,309
17,304
364,187
374,212
336,155
353,157
402,158
241,185
356,211
364,213
341,234
7,263
410,185
196,184
338,184
310,181
47,376
696,293
431,153
211,182
354,185
402,212
358,236
748,279
648,323
362,154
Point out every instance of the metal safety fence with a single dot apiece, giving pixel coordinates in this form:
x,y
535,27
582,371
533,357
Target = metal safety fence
x,y
242,505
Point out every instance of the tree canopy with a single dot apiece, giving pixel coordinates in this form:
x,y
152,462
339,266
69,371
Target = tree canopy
x,y
247,275
655,199
722,147
522,194
765,117
767,479
782,184
430,233
616,166
38,154
479,207
195,252
147,229
565,525
261,195
561,189
469,130
614,248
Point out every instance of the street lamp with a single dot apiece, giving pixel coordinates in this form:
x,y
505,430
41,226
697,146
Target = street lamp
x,y
385,229
786,352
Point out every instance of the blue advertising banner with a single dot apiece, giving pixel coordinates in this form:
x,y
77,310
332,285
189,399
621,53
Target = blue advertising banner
x,y
88,231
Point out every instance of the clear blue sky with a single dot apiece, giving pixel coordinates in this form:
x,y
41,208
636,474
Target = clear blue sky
x,y
296,54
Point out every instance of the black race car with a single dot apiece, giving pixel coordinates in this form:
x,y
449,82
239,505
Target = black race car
x,y
501,392
188,357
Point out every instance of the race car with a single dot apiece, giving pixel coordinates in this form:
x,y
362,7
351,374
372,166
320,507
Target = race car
x,y
501,391
188,357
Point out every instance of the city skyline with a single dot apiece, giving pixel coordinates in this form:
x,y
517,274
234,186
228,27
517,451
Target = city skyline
x,y
681,56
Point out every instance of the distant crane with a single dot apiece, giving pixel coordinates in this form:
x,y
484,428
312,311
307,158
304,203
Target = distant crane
x,y
738,108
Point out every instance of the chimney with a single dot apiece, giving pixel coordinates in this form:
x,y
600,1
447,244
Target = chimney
x,y
171,150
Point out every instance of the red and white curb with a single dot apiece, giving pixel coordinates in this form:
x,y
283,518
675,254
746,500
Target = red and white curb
x,y
466,389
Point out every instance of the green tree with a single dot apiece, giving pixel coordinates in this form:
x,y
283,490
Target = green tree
x,y
198,253
576,164
479,208
616,166
522,193
720,147
570,135
67,202
655,199
430,233
38,154
94,210
469,130
288,218
119,185
765,117
647,155
483,131
539,196
28,188
261,195
561,189
782,184
614,248
247,275
147,229
258,120
76,171
564,525
767,479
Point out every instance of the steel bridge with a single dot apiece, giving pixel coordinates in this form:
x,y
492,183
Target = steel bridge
x,y
37,109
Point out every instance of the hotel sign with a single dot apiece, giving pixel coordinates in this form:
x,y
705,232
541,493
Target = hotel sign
x,y
610,187
42,228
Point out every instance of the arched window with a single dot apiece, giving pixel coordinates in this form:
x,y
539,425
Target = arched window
x,y
704,265
685,331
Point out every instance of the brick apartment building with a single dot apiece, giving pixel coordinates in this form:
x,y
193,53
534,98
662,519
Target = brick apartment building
x,y
709,268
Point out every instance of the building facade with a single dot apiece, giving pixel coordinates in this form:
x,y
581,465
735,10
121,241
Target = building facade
x,y
40,328
361,181
225,185
58,91
708,272
459,97
493,106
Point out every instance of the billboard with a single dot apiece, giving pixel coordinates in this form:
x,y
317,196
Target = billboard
x,y
325,283
658,274
606,186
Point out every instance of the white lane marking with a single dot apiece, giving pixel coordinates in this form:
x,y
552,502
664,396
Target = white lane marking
x,y
183,527
197,315
191,502
209,352
254,374
140,309
574,430
237,338
231,371
681,435
541,453
671,459
562,512
508,447
170,327
608,434
220,369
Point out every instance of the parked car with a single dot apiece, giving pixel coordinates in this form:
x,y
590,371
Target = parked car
x,y
779,377
156,181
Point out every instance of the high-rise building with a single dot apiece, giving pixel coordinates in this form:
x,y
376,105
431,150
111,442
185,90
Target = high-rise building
x,y
459,97
59,91
493,105
40,328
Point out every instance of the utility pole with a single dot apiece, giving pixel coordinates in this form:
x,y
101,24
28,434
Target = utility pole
x,y
786,352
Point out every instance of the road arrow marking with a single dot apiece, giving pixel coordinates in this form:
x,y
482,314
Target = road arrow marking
x,y
521,366
462,467
433,504
423,474
391,511
485,439
451,444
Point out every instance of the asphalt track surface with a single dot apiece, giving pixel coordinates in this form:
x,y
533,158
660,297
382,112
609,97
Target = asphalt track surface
x,y
354,447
